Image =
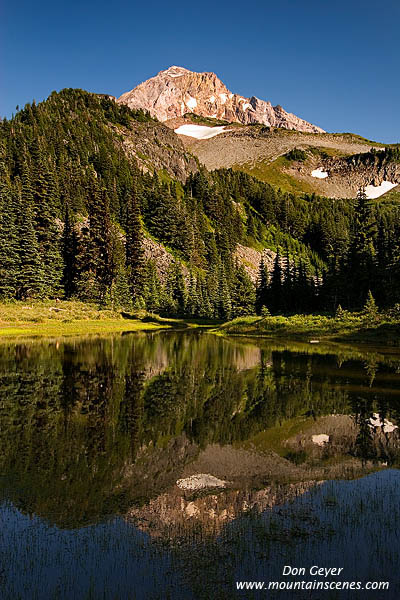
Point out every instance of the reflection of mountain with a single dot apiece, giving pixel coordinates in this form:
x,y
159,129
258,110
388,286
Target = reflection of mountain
x,y
172,515
258,479
91,428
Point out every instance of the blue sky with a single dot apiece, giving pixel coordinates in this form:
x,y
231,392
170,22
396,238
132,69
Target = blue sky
x,y
334,64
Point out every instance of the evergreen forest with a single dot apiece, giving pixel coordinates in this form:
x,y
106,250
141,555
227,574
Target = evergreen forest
x,y
79,217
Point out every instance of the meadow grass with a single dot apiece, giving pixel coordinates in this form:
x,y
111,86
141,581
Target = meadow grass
x,y
274,174
71,317
42,318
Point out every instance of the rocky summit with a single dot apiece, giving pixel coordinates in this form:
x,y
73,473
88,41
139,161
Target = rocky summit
x,y
177,91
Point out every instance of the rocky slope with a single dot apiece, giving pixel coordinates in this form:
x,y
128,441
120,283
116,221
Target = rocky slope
x,y
177,91
342,177
262,153
250,145
155,147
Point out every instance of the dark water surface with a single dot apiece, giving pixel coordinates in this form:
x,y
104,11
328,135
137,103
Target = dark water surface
x,y
172,465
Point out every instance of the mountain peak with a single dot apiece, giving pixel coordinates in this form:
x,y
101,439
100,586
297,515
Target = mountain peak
x,y
176,91
175,71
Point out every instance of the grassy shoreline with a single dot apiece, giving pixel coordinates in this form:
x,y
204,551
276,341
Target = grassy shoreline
x,y
355,327
72,318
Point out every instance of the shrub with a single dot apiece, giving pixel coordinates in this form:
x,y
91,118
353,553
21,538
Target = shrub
x,y
296,154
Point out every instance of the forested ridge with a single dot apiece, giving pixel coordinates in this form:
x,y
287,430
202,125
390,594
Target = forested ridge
x,y
75,209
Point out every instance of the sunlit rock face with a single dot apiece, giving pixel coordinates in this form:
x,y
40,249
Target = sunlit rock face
x,y
177,91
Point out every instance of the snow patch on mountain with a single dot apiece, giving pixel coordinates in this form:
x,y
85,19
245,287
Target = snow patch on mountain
x,y
191,103
374,191
319,173
201,132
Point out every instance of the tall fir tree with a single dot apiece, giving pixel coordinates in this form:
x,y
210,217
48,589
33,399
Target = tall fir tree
x,y
69,253
262,286
243,293
9,263
152,287
275,287
45,203
176,287
96,264
134,249
360,267
224,302
30,277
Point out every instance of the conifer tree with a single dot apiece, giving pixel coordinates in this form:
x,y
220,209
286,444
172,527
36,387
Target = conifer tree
x,y
206,309
30,276
370,307
251,231
178,287
152,288
134,249
69,253
361,255
262,286
8,235
193,303
162,215
275,288
287,285
118,292
96,262
243,293
224,303
121,294
304,289
45,204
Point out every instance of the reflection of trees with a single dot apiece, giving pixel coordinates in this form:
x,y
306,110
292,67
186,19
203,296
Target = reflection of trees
x,y
132,409
371,368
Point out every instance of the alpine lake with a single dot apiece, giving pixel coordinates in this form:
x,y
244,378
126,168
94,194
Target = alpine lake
x,y
172,465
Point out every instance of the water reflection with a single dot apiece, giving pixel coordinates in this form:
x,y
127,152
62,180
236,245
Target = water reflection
x,y
90,428
103,428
